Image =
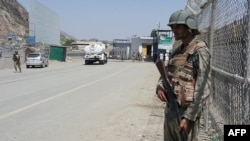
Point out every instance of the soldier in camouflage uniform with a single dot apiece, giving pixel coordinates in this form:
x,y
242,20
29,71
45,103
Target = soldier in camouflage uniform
x,y
17,63
189,74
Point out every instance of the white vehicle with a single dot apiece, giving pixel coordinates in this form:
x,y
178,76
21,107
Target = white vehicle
x,y
95,52
37,59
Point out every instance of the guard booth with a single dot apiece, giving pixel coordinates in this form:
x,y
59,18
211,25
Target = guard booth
x,y
58,53
142,46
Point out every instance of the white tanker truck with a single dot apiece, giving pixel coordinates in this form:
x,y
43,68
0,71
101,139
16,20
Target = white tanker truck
x,y
95,52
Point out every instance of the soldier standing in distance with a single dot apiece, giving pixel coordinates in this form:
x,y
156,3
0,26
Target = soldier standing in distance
x,y
16,59
189,72
133,56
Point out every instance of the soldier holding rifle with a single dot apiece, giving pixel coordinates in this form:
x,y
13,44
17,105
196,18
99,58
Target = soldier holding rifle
x,y
188,80
16,59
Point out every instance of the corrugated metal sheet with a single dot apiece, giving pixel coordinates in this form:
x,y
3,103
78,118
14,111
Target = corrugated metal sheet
x,y
58,53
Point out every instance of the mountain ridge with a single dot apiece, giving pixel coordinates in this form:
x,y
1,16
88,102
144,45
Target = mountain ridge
x,y
14,20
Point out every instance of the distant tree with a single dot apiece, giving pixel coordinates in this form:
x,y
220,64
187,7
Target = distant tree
x,y
68,42
153,33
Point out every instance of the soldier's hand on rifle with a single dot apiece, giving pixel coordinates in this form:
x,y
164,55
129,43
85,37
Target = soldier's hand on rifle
x,y
184,125
160,93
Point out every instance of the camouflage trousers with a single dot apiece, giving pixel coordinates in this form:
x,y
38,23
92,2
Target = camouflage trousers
x,y
17,64
171,126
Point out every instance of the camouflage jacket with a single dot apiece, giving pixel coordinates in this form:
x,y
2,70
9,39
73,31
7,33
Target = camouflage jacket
x,y
16,57
201,65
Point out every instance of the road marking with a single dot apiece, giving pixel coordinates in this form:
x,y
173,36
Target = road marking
x,y
56,96
14,80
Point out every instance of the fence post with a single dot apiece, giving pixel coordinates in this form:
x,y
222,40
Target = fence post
x,y
246,94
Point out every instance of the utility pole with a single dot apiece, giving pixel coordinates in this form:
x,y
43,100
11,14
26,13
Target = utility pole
x,y
158,25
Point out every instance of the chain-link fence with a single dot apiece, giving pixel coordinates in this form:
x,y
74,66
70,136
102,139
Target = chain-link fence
x,y
225,26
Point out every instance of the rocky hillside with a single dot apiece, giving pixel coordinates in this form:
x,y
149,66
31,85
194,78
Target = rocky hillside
x,y
14,19
65,36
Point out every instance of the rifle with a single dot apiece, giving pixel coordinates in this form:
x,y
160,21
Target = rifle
x,y
169,93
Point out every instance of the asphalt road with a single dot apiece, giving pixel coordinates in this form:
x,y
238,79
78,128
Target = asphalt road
x,y
70,101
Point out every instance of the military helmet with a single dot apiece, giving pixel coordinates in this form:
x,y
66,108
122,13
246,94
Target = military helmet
x,y
185,17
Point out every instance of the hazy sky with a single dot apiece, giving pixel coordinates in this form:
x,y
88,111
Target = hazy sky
x,y
111,19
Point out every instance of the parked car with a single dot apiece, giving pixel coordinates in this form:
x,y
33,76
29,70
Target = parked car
x,y
37,59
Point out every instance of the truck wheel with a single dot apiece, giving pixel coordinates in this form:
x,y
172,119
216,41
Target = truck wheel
x,y
105,59
86,62
101,62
